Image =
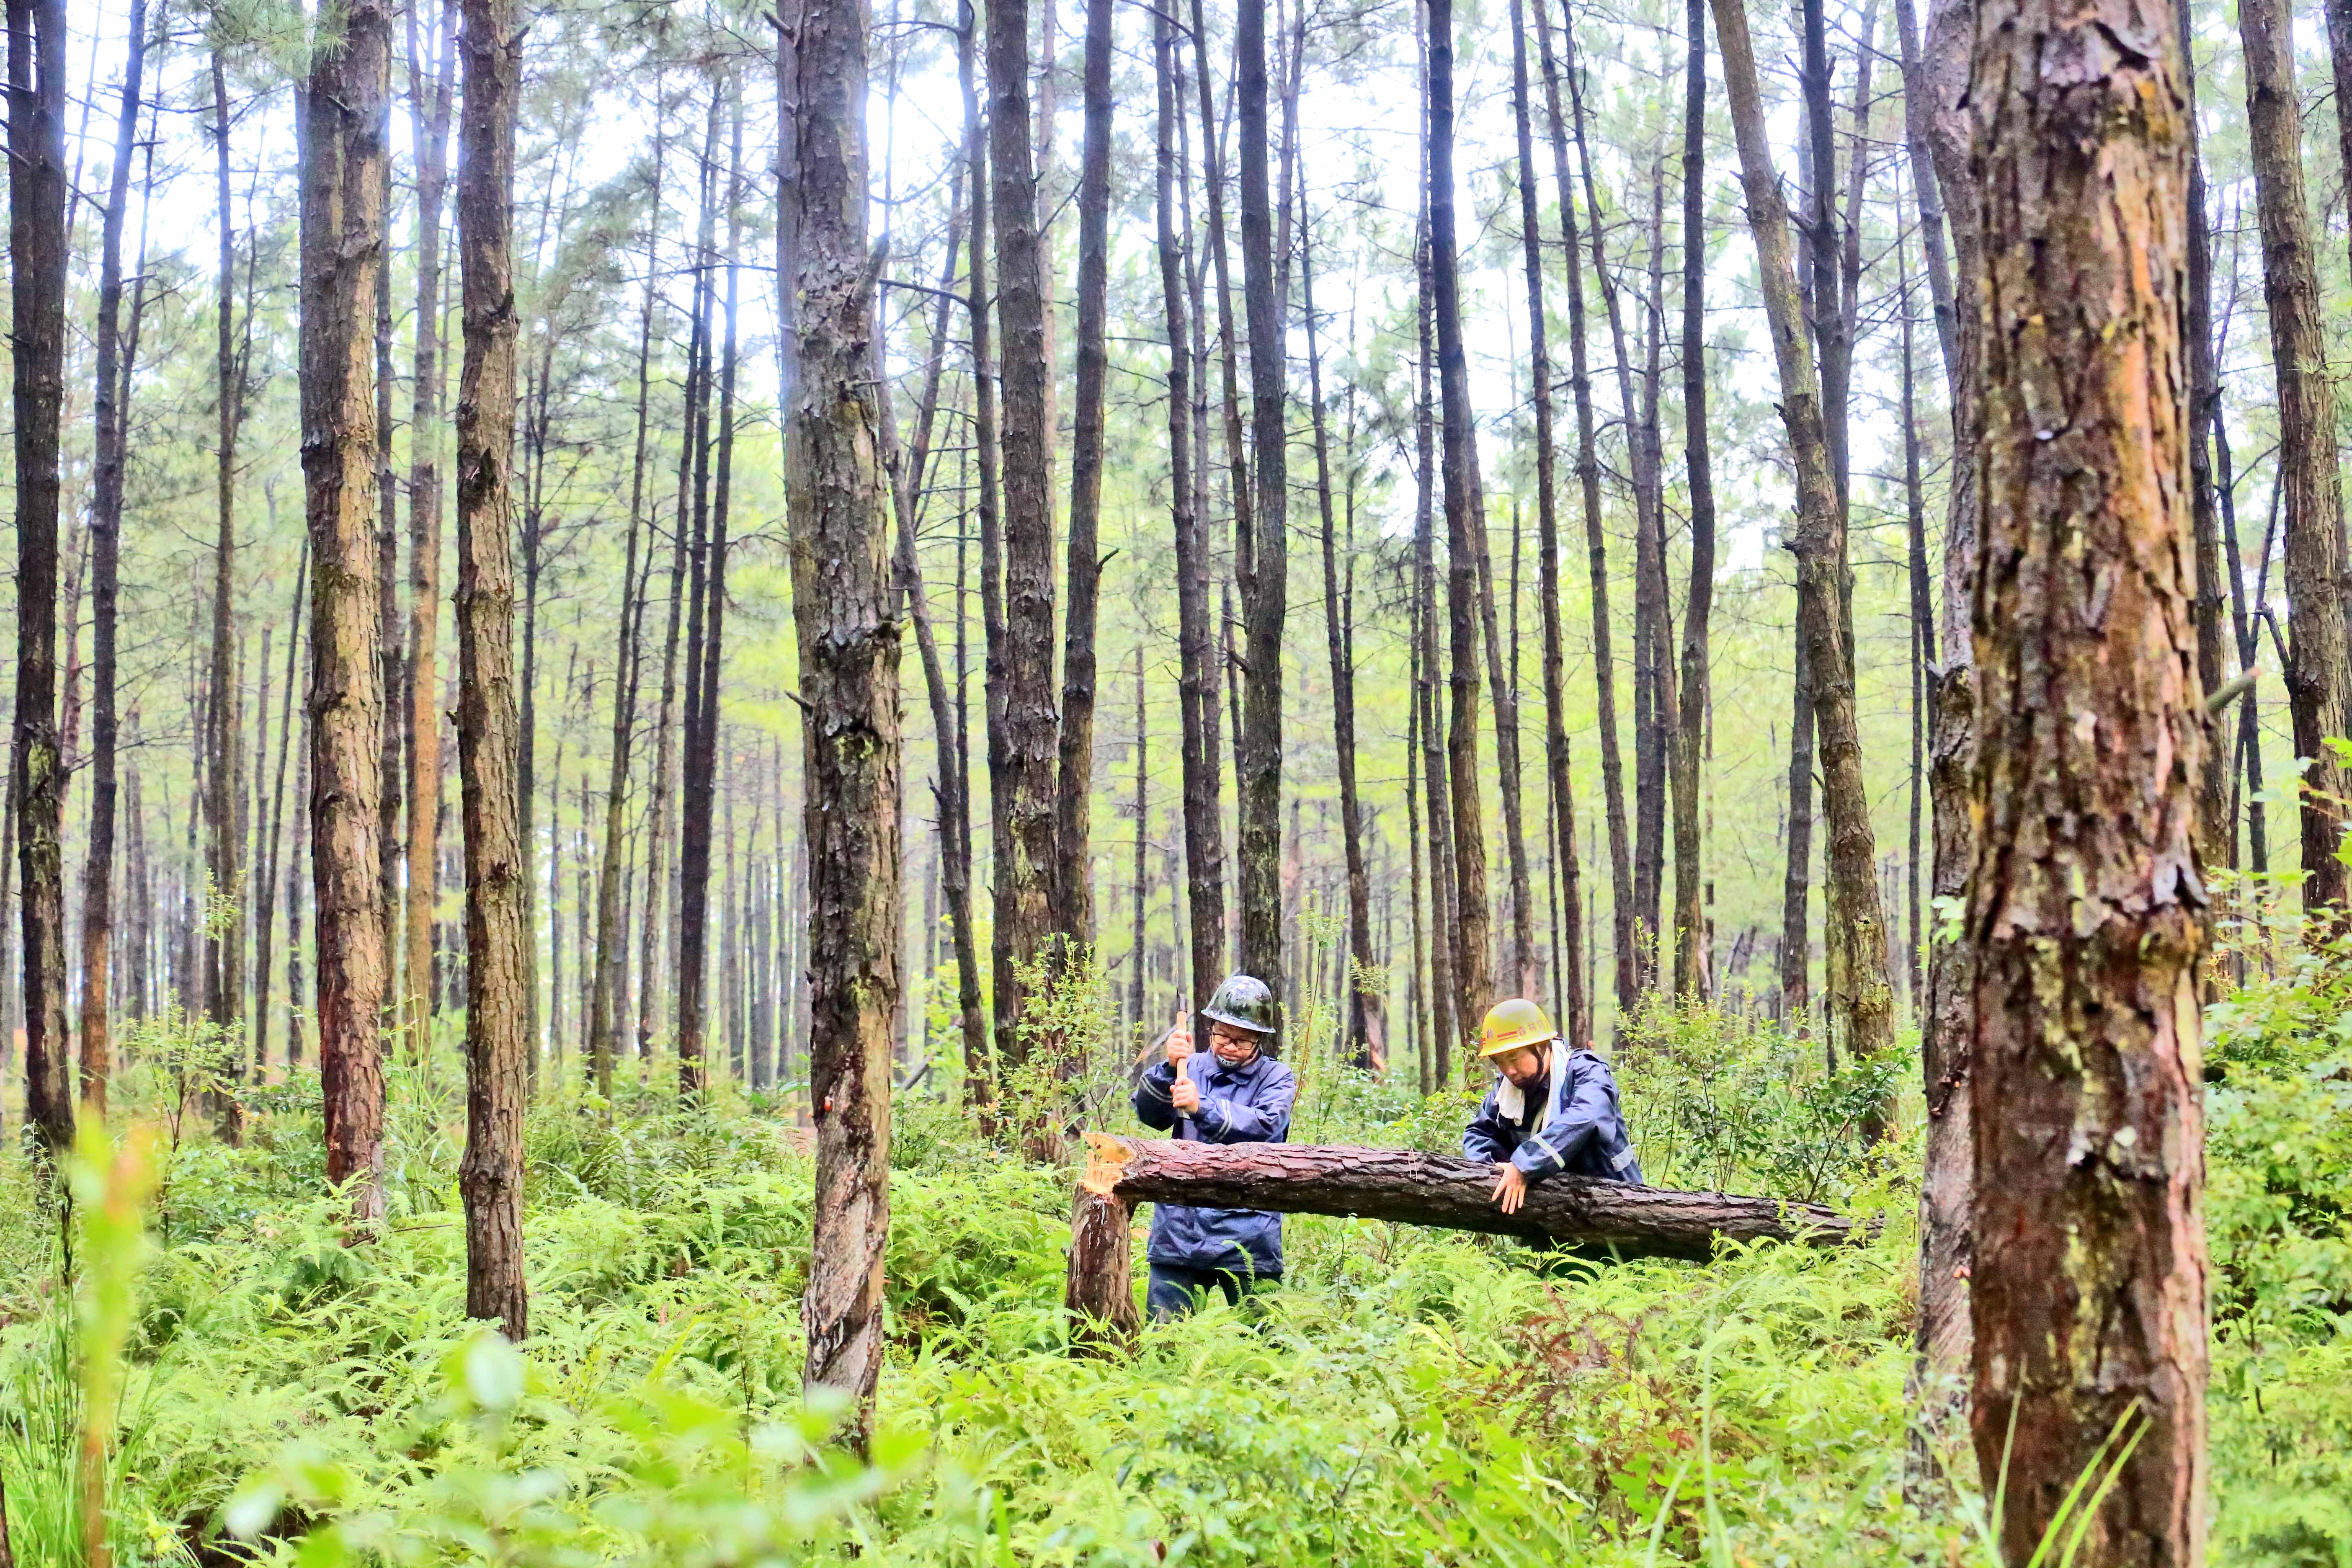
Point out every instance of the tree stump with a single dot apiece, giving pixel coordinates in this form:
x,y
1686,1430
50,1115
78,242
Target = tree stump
x,y
1100,1292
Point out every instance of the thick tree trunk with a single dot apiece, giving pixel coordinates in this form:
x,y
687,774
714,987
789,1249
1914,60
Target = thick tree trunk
x,y
342,251
1587,475
2319,674
1204,843
36,257
1021,663
848,640
1561,824
1860,1014
498,861
224,870
1072,881
1474,984
111,414
1692,981
1408,1187
1262,547
430,99
2084,905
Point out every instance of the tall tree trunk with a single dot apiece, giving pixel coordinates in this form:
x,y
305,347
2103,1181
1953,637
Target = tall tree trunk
x,y
1861,1007
1073,913
1692,980
609,999
36,257
1365,1026
394,848
342,254
1568,935
498,863
1654,698
1261,549
109,414
2083,907
952,784
1473,983
1443,940
2319,673
848,640
1587,474
702,707
1021,665
224,956
1204,838
424,681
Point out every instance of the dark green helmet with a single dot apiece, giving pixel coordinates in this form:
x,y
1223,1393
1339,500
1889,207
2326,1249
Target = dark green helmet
x,y
1243,1001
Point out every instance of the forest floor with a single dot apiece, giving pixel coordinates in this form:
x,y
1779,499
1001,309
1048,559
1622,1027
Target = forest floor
x,y
1405,1397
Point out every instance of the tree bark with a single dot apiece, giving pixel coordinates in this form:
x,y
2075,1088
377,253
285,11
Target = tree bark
x,y
1413,1188
1568,936
36,254
1021,663
1692,981
2217,823
1098,1294
1587,474
498,861
1474,984
110,415
431,101
2084,905
1444,935
343,250
2319,672
1204,839
1860,1015
1262,548
1072,881
848,641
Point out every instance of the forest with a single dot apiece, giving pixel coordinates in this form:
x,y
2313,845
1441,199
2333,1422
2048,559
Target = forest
x,y
680,668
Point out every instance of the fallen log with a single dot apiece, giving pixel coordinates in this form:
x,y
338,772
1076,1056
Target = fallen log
x,y
1606,1218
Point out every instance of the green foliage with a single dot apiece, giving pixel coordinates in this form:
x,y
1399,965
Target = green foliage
x,y
1734,1103
2279,1222
1406,1398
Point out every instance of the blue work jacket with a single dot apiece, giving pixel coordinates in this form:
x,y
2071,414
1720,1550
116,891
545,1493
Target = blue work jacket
x,y
1569,1121
1238,1105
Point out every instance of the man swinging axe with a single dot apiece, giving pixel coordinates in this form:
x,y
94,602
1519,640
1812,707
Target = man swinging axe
x,y
1236,1093
1553,1108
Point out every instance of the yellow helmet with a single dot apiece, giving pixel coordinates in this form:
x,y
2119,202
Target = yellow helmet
x,y
1513,1025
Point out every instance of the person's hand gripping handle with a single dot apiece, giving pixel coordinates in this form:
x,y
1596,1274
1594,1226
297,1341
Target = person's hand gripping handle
x,y
1187,1094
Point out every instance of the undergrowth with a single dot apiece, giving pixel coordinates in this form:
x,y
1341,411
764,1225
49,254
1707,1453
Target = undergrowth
x,y
1407,1397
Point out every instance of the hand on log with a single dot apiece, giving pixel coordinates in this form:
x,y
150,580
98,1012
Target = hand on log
x,y
1451,1194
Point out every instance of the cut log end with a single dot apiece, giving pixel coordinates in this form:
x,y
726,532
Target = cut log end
x,y
1107,1160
